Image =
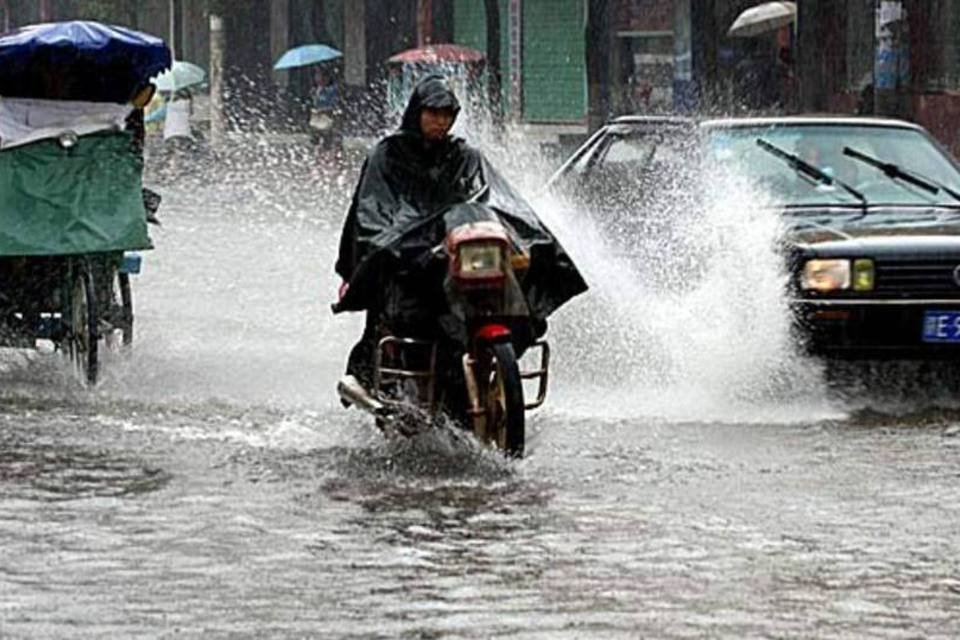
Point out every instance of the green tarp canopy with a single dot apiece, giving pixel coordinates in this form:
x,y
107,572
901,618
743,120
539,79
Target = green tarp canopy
x,y
86,199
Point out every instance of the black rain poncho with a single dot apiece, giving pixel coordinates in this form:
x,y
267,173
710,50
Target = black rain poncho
x,y
406,181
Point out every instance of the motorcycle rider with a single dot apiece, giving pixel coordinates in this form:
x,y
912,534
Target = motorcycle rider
x,y
410,174
416,169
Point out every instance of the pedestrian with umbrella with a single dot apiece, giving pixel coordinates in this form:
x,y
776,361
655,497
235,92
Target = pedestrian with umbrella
x,y
177,85
765,71
324,91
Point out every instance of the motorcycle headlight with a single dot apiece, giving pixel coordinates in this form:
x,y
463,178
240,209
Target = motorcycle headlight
x,y
825,275
481,260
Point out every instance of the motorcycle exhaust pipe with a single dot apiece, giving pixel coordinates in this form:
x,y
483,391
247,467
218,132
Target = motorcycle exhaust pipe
x,y
353,392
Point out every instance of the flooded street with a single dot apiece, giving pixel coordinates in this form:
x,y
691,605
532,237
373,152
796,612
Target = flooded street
x,y
212,486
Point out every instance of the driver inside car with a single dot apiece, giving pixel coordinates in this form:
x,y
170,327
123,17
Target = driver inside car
x,y
829,158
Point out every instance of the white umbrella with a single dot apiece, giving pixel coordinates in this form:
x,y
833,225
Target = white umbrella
x,y
181,75
763,18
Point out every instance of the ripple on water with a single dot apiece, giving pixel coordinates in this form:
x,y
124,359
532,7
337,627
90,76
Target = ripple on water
x,y
53,472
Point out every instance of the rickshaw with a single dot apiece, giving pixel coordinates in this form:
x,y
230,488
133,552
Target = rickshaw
x,y
73,211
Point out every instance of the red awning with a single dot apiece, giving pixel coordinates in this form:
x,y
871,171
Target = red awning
x,y
438,53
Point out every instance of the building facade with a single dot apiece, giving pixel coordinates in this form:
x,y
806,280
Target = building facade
x,y
886,57
542,53
895,57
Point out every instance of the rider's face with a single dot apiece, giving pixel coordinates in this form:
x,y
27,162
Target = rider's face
x,y
435,123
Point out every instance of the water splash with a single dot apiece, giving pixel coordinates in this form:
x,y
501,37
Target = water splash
x,y
687,323
683,322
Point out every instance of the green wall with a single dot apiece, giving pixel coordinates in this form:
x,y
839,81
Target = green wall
x,y
470,30
554,65
554,61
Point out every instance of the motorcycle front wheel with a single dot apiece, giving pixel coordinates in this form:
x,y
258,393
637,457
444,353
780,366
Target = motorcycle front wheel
x,y
503,401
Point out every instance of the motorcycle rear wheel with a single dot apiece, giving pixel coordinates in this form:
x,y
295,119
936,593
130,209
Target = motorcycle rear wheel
x,y
503,401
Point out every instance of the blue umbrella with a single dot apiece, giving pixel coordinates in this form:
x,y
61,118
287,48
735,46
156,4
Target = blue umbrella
x,y
305,55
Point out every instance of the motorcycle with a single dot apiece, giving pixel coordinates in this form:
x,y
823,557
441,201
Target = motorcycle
x,y
453,326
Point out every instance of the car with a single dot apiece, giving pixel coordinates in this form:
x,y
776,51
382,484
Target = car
x,y
870,209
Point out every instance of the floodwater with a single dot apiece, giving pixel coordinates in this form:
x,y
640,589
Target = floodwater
x,y
689,477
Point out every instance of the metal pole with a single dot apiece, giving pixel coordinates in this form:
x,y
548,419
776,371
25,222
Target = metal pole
x,y
424,22
515,22
280,35
494,64
355,45
173,28
217,123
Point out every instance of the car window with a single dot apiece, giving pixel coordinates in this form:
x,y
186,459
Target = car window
x,y
584,162
630,150
637,172
587,155
735,150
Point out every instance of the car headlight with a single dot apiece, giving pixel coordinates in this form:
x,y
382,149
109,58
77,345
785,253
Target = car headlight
x,y
825,275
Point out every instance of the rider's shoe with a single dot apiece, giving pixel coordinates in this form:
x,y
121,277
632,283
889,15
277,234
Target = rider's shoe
x,y
346,381
352,392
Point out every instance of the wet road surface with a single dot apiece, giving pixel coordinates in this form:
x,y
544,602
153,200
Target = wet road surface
x,y
213,487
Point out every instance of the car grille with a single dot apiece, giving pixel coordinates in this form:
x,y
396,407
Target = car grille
x,y
918,279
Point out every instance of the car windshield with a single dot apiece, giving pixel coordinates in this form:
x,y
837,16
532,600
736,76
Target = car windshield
x,y
735,150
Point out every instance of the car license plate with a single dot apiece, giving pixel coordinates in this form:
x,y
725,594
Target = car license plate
x,y
941,326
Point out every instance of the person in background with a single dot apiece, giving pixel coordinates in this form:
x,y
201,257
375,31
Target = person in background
x,y
865,99
324,109
177,122
786,79
325,94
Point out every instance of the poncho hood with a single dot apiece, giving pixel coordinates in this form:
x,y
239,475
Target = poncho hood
x,y
434,92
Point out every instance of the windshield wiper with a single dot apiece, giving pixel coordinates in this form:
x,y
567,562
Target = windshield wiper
x,y
896,172
816,173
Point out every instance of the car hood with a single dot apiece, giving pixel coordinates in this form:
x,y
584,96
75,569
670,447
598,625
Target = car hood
x,y
881,231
